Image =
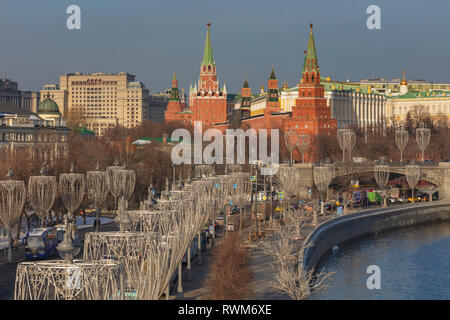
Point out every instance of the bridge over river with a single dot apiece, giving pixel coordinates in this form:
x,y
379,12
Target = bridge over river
x,y
431,172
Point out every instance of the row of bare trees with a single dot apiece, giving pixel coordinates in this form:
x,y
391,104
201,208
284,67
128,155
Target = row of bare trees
x,y
284,246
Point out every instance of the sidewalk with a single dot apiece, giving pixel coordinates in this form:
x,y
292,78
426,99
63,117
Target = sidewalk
x,y
262,267
195,289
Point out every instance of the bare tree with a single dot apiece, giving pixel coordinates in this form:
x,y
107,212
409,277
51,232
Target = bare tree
x,y
284,246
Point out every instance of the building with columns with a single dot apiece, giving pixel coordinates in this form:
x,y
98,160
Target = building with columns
x,y
42,134
351,105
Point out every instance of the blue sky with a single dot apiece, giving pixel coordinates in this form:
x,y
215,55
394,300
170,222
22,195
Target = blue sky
x,y
153,38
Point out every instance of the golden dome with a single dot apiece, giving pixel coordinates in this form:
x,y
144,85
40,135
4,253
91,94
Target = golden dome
x,y
403,82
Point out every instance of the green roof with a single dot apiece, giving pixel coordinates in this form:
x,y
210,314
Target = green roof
x,y
311,63
48,106
422,95
207,55
245,84
85,131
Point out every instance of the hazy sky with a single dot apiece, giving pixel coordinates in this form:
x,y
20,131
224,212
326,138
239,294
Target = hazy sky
x,y
153,38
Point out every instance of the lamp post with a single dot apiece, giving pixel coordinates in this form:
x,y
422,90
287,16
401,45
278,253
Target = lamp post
x,y
349,142
12,200
72,188
340,139
381,172
401,140
303,145
97,188
412,177
288,142
42,191
423,135
113,188
323,174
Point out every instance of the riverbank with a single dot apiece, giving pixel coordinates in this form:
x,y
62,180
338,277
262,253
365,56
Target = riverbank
x,y
375,221
413,264
357,224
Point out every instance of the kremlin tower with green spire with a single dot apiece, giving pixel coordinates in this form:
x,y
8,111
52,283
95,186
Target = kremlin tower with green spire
x,y
246,93
311,115
207,101
272,92
174,106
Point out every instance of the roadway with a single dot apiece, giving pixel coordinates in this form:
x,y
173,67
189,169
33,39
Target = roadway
x,y
8,270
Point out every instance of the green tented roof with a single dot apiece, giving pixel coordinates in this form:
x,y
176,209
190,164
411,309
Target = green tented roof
x,y
311,62
207,55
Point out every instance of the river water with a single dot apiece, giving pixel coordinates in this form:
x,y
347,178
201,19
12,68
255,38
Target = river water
x,y
414,264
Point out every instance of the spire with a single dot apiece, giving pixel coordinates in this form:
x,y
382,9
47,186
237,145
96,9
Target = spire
x,y
174,93
245,85
246,93
272,75
207,55
311,63
403,82
224,88
272,90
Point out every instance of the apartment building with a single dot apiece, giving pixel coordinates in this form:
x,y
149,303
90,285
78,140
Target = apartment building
x,y
101,101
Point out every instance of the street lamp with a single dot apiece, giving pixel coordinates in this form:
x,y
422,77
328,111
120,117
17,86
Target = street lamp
x,y
288,142
303,144
401,140
42,191
323,175
423,138
97,187
381,172
412,176
12,200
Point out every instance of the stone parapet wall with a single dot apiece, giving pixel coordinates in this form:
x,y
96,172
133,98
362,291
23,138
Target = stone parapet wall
x,y
369,222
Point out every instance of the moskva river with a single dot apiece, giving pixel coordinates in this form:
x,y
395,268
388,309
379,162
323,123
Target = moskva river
x,y
414,263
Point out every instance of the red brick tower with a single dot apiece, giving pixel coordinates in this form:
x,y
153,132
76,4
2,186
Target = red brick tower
x,y
246,93
311,102
311,115
208,101
174,106
272,101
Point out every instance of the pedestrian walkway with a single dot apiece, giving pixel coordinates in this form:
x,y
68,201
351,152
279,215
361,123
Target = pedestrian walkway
x,y
262,267
195,289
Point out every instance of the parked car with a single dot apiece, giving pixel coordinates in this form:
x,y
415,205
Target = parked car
x,y
416,199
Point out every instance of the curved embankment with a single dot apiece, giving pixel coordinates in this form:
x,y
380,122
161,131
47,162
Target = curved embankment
x,y
368,222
